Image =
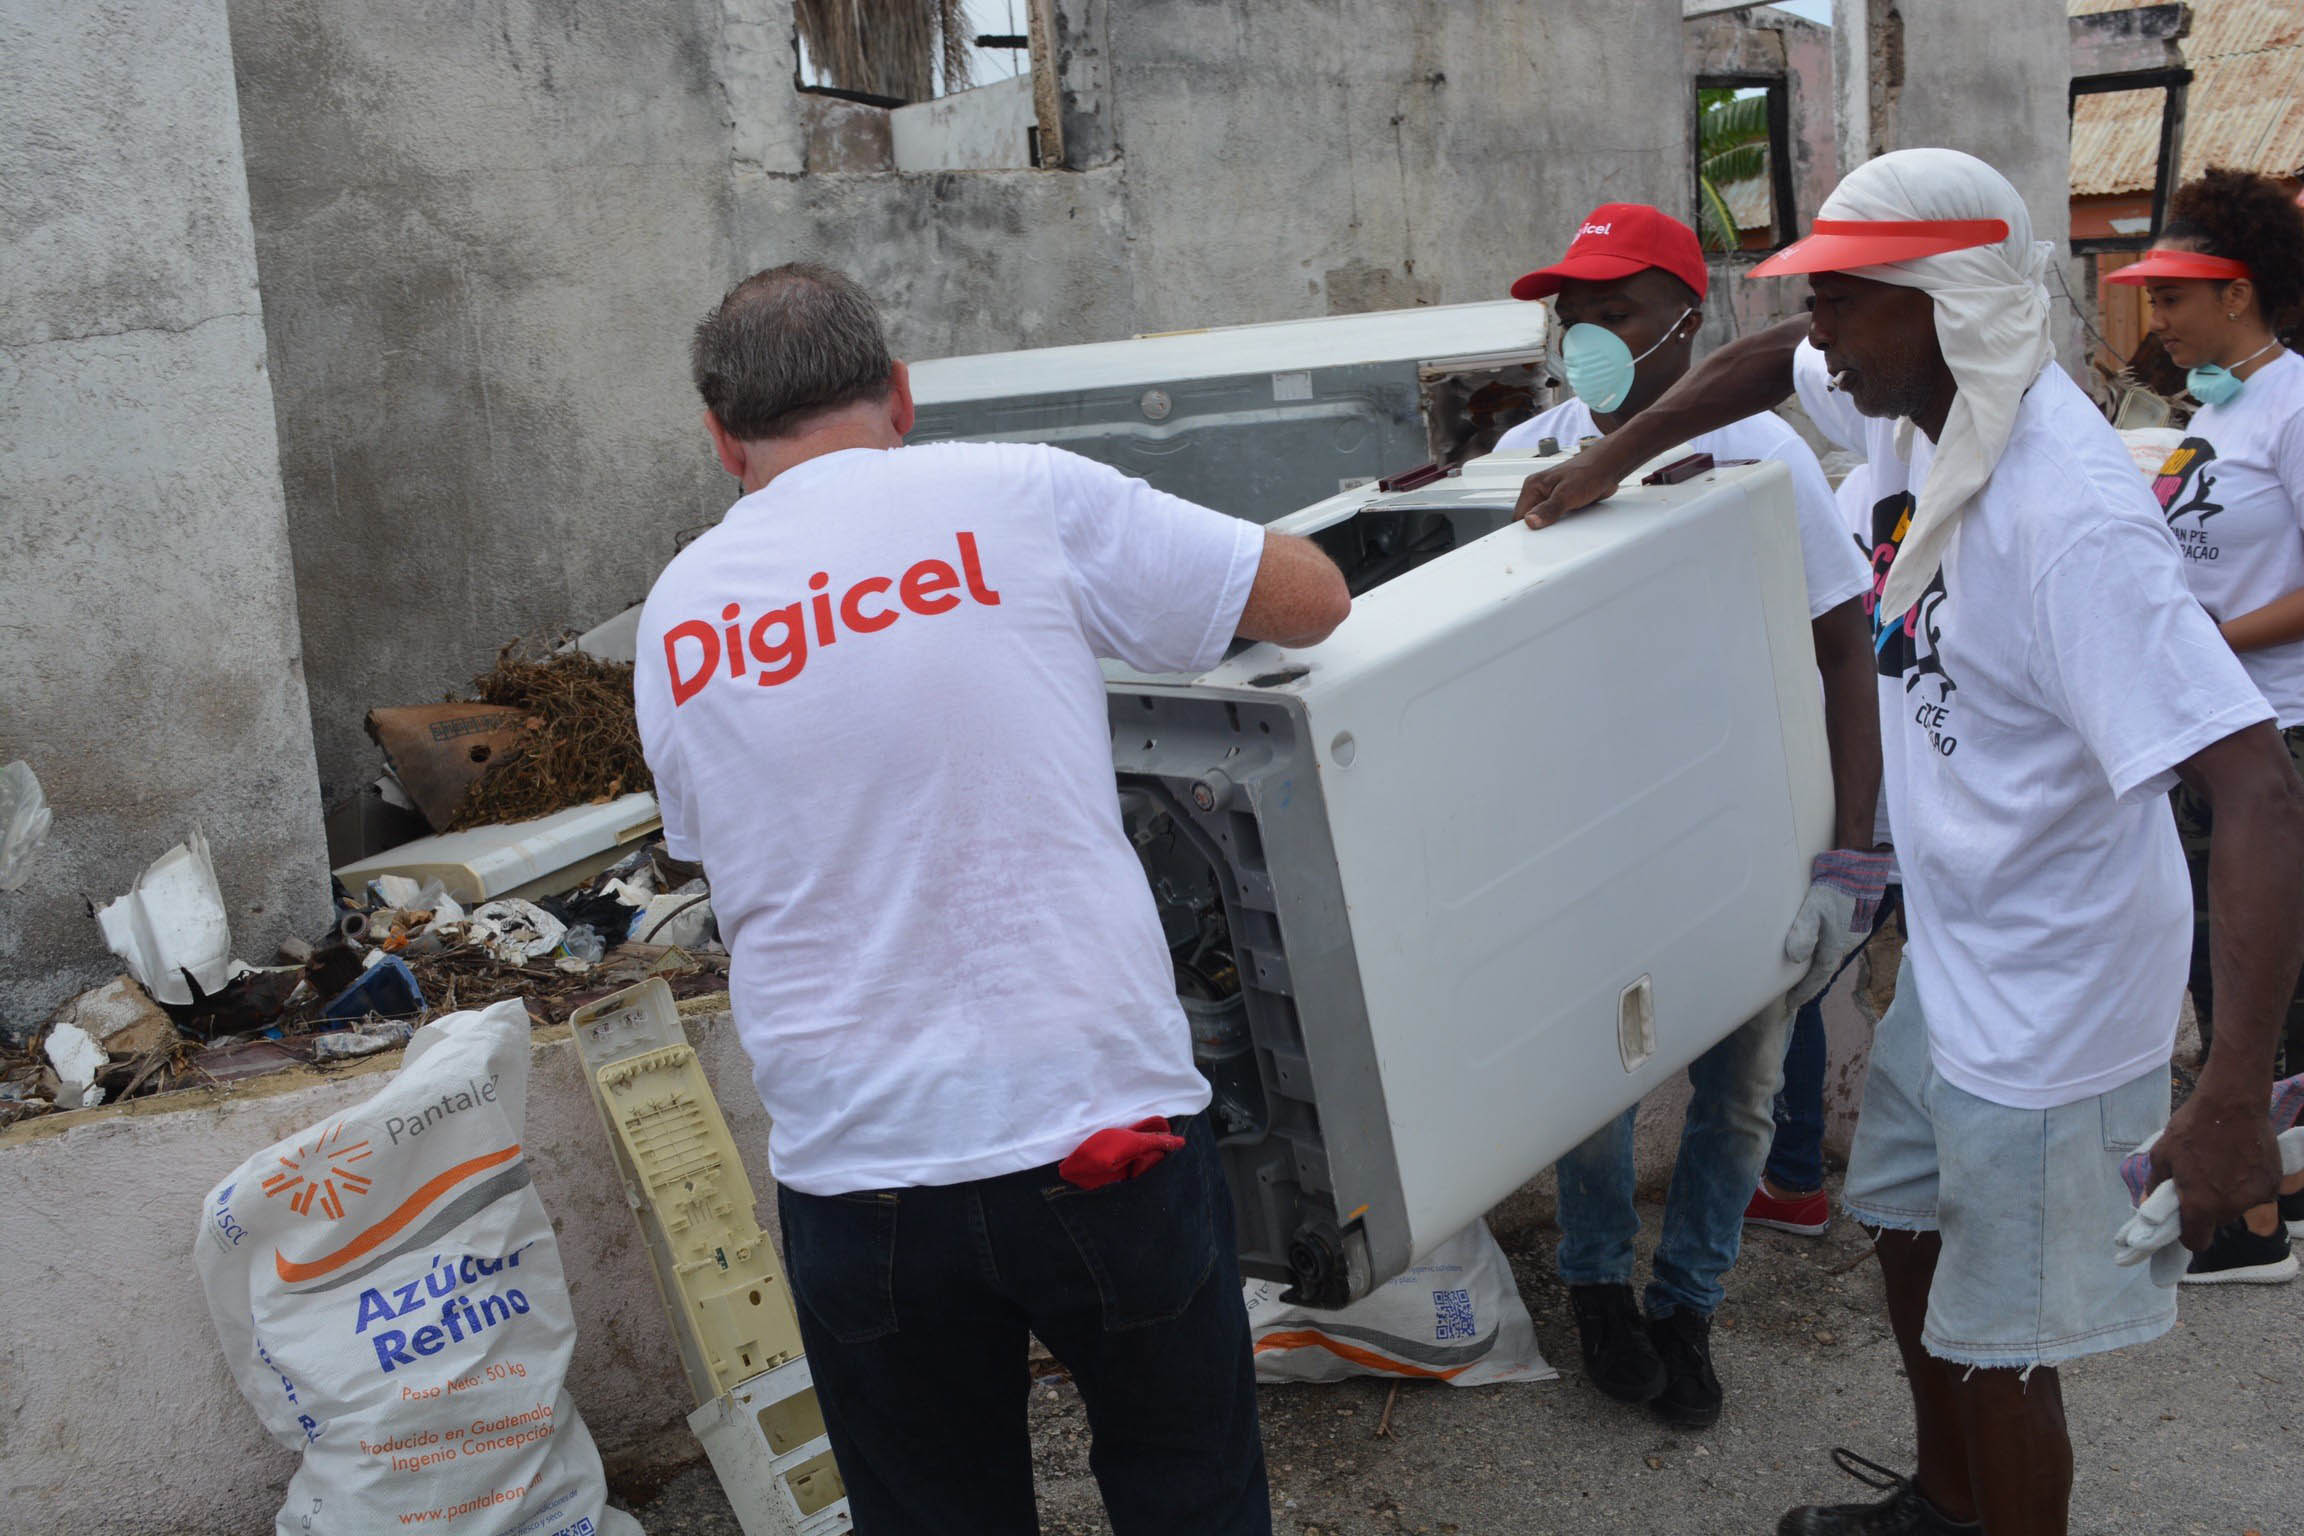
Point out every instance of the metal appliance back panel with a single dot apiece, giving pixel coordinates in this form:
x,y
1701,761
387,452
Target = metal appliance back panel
x,y
1255,445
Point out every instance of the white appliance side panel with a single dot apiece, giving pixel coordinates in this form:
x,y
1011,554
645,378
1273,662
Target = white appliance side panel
x,y
1448,331
1587,784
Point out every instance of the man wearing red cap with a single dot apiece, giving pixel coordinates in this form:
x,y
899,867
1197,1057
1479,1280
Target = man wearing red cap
x,y
2045,677
1630,293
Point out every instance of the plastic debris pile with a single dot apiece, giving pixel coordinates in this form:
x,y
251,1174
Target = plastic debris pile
x,y
187,1013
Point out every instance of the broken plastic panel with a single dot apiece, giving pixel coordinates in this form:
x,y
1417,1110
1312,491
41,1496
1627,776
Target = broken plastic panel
x,y
172,923
543,857
767,1444
680,1166
1514,845
731,1309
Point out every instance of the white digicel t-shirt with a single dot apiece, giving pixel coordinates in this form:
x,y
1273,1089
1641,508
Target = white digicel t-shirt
x,y
2233,493
872,704
1835,573
2032,707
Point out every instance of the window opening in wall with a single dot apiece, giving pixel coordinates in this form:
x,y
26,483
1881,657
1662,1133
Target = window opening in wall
x,y
2127,140
2127,145
894,52
1743,162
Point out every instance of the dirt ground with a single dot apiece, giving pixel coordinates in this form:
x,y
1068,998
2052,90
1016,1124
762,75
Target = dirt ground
x,y
2198,1434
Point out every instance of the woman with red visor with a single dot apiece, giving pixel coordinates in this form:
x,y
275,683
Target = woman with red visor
x,y
2225,284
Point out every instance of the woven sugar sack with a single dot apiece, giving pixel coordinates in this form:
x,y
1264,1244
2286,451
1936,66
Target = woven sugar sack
x,y
390,1298
1456,1317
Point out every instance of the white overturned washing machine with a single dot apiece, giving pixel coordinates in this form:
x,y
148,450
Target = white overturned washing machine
x,y
1515,844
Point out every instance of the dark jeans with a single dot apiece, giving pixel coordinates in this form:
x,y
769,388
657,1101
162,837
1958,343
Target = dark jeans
x,y
914,1304
1796,1158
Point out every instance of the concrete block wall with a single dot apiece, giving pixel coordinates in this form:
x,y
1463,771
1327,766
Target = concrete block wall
x,y
1305,157
484,236
147,605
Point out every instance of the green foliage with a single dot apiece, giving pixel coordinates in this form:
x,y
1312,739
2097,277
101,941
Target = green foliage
x,y
1731,146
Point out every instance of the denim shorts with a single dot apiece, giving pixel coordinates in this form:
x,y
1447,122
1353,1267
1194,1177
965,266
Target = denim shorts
x,y
2027,1202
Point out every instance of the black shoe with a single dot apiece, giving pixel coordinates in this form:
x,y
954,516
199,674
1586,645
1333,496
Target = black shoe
x,y
1903,1513
2292,1212
2237,1256
1691,1395
1618,1359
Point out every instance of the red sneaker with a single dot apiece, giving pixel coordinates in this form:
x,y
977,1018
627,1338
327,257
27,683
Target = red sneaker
x,y
1802,1216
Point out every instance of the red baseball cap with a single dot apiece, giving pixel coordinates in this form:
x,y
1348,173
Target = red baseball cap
x,y
1617,240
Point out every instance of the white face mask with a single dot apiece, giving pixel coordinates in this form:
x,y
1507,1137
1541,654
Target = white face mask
x,y
1600,366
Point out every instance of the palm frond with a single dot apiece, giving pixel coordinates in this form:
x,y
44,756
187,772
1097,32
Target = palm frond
x,y
1716,225
1742,162
1738,120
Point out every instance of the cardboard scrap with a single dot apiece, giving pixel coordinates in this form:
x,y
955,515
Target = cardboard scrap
x,y
439,751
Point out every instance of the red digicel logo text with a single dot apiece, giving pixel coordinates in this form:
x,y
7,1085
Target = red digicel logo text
x,y
777,641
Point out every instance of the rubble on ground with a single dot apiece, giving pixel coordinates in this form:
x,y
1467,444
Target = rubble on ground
x,y
547,727
546,732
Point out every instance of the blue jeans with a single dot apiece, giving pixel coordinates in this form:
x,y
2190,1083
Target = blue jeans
x,y
1796,1160
1721,1147
914,1304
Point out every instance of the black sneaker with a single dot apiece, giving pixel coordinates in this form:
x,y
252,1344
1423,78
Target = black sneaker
x,y
2292,1212
1618,1359
1903,1513
2237,1256
1691,1395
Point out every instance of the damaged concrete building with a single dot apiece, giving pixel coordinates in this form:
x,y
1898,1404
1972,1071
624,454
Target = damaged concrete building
x,y
346,342
460,252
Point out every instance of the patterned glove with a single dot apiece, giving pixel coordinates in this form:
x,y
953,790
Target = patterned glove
x,y
2150,1235
1843,894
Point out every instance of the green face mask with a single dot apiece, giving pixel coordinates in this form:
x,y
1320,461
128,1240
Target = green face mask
x,y
2215,384
1600,366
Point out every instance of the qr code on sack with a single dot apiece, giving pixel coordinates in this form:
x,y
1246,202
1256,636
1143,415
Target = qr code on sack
x,y
583,1527
1452,1315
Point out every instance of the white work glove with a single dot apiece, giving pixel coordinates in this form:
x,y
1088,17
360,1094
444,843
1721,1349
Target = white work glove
x,y
2151,1234
1844,891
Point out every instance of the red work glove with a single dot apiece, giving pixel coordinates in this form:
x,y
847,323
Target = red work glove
x,y
1110,1156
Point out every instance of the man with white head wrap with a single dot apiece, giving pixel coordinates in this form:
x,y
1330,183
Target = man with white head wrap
x,y
2045,676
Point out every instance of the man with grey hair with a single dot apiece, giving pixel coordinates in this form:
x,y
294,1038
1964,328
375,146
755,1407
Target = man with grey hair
x,y
872,705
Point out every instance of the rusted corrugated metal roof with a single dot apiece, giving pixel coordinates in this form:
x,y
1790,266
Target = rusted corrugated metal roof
x,y
1751,202
2245,107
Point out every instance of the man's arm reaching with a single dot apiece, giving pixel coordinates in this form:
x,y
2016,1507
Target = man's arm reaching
x,y
1851,719
1747,376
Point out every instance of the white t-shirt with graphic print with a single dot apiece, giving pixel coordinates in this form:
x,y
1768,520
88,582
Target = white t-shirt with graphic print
x,y
2033,705
1835,573
872,705
2233,493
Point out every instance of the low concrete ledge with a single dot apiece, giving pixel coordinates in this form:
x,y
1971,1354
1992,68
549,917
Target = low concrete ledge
x,y
117,1414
